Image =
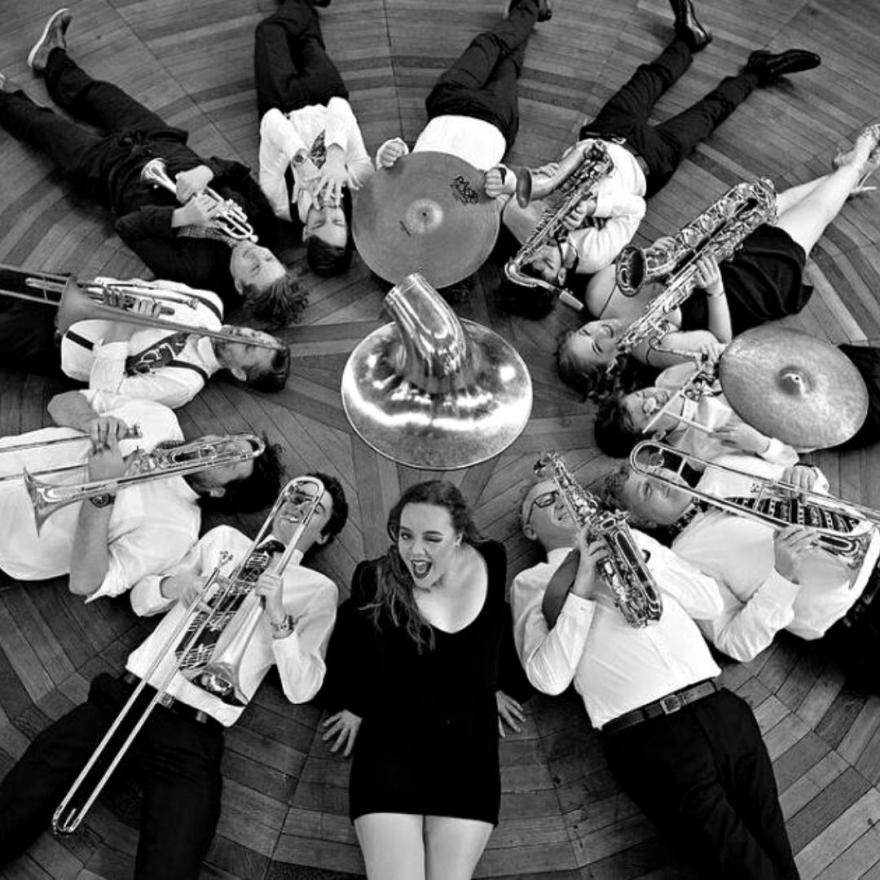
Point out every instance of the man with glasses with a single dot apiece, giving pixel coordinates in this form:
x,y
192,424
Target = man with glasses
x,y
685,749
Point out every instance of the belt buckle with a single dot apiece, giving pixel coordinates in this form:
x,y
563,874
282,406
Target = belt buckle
x,y
671,703
166,701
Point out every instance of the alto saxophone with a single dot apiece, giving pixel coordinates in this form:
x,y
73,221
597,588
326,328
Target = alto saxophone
x,y
574,181
719,231
623,567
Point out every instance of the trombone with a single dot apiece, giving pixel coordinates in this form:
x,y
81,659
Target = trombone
x,y
230,219
177,461
843,528
111,301
132,433
221,676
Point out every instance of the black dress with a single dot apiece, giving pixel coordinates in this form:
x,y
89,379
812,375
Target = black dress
x,y
763,281
428,744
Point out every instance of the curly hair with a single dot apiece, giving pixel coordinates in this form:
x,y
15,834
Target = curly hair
x,y
255,492
280,303
611,490
272,377
395,600
613,436
339,514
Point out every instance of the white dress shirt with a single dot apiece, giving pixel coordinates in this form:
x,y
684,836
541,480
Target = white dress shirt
x,y
615,667
477,142
309,597
103,366
620,207
738,552
284,136
152,524
711,411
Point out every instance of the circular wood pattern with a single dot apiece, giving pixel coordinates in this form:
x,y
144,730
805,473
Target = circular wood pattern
x,y
563,816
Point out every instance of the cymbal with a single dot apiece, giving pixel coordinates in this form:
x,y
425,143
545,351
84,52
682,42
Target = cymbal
x,y
427,214
792,386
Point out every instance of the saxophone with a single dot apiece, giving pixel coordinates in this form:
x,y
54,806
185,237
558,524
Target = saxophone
x,y
622,568
574,181
719,231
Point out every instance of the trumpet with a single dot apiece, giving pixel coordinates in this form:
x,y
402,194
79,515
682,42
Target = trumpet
x,y
177,461
230,218
108,301
695,388
622,568
843,528
230,611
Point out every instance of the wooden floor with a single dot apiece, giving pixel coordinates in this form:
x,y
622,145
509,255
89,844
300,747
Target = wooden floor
x,y
563,816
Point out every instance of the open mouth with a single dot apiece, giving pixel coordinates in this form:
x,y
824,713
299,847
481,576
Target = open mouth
x,y
419,568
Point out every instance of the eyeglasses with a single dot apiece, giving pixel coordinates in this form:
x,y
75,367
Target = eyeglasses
x,y
545,499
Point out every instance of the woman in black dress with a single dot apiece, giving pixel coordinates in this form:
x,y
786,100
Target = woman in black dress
x,y
761,282
416,664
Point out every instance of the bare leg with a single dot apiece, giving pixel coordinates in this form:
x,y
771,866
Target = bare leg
x,y
788,198
393,845
805,221
454,846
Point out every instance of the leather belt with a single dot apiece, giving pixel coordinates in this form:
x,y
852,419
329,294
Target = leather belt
x,y
621,142
166,701
667,705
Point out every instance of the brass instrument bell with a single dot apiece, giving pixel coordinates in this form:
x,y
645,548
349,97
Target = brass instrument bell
x,y
433,391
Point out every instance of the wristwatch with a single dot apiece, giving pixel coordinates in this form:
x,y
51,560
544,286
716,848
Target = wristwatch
x,y
102,500
283,628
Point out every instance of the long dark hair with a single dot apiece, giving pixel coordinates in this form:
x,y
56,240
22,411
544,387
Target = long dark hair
x,y
395,600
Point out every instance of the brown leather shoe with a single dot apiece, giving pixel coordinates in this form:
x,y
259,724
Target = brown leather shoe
x,y
51,38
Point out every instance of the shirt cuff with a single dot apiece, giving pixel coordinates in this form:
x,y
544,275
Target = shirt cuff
x,y
779,590
578,607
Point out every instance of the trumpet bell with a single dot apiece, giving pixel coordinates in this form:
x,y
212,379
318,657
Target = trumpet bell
x,y
432,391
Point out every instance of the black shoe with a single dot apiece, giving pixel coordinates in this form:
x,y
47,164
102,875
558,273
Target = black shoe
x,y
51,38
769,68
687,26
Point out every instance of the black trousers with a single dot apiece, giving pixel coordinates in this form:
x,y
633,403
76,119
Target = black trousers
x,y
482,82
703,775
27,337
177,760
77,151
291,67
665,146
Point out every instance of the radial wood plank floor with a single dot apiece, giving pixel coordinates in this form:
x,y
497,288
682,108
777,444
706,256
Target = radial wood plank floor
x,y
563,815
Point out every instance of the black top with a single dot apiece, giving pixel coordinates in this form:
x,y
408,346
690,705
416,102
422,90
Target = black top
x,y
379,674
763,281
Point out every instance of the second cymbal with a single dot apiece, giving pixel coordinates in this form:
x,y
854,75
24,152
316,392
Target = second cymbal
x,y
792,386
